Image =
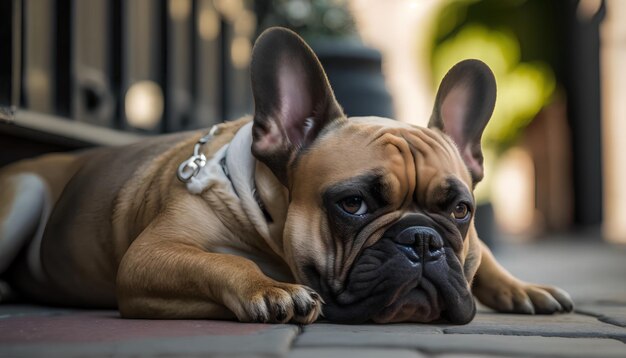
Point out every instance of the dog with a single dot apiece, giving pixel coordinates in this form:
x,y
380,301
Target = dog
x,y
287,215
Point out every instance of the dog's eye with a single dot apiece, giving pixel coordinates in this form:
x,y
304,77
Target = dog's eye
x,y
461,212
354,205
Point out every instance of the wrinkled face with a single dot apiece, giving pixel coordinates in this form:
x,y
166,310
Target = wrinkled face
x,y
380,223
380,217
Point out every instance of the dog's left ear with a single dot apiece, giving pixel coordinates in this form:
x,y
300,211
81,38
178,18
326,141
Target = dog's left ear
x,y
463,106
293,100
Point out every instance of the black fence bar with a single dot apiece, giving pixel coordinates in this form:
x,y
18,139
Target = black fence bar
x,y
115,59
6,60
582,82
163,78
63,89
10,31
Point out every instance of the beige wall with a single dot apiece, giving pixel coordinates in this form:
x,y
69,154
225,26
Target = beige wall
x,y
614,120
400,30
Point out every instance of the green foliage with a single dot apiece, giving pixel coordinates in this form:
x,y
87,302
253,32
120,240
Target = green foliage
x,y
524,87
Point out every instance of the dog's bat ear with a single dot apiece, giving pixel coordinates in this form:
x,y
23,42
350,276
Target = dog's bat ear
x,y
463,106
293,100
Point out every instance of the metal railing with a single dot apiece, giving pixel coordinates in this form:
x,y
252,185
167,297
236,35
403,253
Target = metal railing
x,y
140,66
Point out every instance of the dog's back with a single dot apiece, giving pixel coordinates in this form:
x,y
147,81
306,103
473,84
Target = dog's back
x,y
46,218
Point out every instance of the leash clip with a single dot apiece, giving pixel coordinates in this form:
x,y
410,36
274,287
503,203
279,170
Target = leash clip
x,y
192,166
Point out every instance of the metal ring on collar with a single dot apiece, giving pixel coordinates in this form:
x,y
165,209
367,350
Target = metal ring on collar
x,y
191,167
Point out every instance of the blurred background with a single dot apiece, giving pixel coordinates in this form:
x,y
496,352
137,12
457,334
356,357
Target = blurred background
x,y
81,73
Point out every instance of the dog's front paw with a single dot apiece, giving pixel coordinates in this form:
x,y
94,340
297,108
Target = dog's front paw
x,y
520,297
277,303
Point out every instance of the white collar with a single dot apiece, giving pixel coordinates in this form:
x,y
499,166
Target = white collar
x,y
239,168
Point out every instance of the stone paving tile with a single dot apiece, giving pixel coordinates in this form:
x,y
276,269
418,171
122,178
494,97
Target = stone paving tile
x,y
609,313
370,335
478,344
560,325
587,269
592,273
103,333
467,355
10,310
209,346
353,353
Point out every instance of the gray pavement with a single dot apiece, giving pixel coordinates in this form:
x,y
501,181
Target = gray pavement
x,y
593,273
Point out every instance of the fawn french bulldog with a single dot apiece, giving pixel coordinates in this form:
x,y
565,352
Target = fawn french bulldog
x,y
294,212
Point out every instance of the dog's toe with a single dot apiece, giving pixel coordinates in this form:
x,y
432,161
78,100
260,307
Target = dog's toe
x,y
307,305
534,299
547,299
280,303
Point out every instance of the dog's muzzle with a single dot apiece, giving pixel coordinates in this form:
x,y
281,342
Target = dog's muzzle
x,y
409,275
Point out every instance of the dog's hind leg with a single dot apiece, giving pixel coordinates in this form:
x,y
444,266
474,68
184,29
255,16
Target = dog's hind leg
x,y
24,207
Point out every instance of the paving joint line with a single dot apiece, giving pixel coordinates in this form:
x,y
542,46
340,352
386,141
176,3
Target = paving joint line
x,y
549,335
608,320
600,318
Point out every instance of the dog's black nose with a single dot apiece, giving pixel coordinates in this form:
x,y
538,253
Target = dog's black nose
x,y
426,241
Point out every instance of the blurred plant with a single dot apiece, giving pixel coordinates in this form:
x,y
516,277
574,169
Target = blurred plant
x,y
309,18
516,38
524,87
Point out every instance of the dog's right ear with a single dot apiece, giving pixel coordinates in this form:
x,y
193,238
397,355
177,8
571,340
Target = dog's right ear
x,y
293,100
464,103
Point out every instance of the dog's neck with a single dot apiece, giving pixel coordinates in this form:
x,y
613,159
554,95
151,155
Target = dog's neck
x,y
275,196
258,189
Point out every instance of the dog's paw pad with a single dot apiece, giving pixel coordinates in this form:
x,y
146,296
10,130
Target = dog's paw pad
x,y
547,299
307,306
532,299
280,303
